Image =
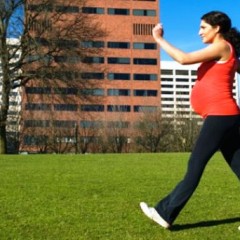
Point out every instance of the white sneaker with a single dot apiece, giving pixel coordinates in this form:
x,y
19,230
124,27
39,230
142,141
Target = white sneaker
x,y
154,215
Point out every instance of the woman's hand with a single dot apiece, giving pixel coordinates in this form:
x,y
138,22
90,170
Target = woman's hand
x,y
157,31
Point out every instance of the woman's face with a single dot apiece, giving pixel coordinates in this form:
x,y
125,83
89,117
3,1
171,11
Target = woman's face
x,y
207,32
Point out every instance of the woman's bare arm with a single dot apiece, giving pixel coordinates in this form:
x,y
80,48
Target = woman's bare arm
x,y
212,51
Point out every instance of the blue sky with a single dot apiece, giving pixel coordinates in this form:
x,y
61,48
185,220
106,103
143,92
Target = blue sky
x,y
15,27
181,20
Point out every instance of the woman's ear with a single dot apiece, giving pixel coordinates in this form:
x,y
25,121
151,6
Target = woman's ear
x,y
217,29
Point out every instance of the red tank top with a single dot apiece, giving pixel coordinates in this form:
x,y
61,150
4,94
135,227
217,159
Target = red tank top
x,y
212,92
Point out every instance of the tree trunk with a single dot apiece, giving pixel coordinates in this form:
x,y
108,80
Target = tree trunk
x,y
3,144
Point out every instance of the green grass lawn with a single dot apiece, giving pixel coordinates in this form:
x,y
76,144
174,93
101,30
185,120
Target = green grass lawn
x,y
92,197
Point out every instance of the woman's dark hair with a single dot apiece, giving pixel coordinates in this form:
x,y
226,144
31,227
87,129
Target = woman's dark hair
x,y
230,34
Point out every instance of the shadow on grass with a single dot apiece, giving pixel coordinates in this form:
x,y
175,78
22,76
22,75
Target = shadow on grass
x,y
202,224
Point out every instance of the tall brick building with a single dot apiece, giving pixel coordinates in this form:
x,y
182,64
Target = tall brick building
x,y
127,86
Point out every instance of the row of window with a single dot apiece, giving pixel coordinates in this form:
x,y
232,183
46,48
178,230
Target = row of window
x,y
96,44
178,93
92,92
181,113
95,60
120,60
176,86
178,72
119,11
178,80
73,124
122,45
88,108
71,75
172,106
90,10
177,99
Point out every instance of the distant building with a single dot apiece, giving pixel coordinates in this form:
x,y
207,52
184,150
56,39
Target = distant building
x,y
128,87
176,84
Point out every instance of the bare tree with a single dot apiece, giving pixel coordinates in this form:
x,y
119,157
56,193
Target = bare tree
x,y
52,44
88,134
150,130
184,133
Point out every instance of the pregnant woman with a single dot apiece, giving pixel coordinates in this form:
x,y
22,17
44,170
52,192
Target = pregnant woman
x,y
212,98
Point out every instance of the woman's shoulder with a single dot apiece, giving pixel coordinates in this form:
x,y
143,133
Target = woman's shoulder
x,y
225,50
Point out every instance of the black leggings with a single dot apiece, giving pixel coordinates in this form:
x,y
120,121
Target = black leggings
x,y
218,132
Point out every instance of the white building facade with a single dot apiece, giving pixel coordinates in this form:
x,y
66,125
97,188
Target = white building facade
x,y
176,83
13,120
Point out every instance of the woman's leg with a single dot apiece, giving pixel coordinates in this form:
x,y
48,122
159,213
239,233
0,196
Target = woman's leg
x,y
230,148
208,142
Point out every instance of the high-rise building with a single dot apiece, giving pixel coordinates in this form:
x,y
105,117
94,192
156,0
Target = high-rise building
x,y
127,86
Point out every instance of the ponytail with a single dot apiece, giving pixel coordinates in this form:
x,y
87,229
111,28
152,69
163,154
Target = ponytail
x,y
233,36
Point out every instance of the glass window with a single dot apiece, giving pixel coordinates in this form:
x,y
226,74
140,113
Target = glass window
x,y
118,124
182,86
145,61
118,11
92,44
68,59
63,43
38,106
139,45
93,10
42,41
118,45
139,108
167,86
167,92
118,92
14,94
119,76
36,123
92,108
167,99
62,75
113,60
145,93
166,72
67,9
144,12
38,90
93,60
13,103
91,124
194,72
183,80
65,107
40,7
145,77
118,108
35,140
182,93
92,75
181,72
92,92
64,123
66,91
